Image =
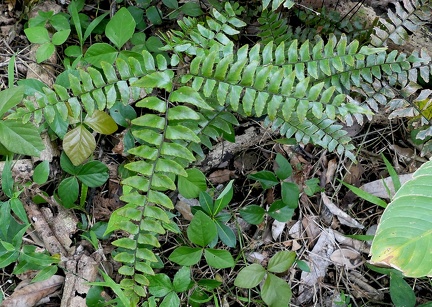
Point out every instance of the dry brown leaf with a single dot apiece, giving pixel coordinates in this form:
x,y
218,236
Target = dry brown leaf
x,y
343,217
29,294
331,170
348,258
221,176
184,205
311,227
354,173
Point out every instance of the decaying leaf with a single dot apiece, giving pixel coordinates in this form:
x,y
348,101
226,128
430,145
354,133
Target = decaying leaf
x,y
346,257
331,169
277,229
319,260
29,294
378,188
221,176
184,205
344,218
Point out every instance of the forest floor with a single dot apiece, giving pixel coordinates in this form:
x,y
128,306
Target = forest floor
x,y
327,213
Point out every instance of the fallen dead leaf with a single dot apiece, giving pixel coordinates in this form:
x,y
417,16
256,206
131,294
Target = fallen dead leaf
x,y
331,170
377,187
277,229
343,217
346,257
319,260
354,173
184,205
295,230
29,294
221,176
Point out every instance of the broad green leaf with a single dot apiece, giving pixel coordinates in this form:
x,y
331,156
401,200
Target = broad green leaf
x,y
218,258
100,52
266,178
41,172
404,236
170,300
20,138
154,15
250,276
79,144
68,191
253,214
206,202
283,168
280,211
224,198
281,261
193,184
182,279
67,165
185,255
101,122
37,35
10,97
44,52
226,234
160,285
276,292
172,4
93,174
120,28
7,181
202,230
191,9
60,37
401,293
290,194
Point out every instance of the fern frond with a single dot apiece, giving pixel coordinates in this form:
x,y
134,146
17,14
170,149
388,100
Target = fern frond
x,y
407,17
275,4
195,36
274,27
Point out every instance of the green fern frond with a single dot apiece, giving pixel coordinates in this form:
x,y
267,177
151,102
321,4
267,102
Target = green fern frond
x,y
195,35
275,4
407,17
274,27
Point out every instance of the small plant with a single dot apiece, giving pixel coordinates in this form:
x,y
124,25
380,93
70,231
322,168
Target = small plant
x,y
163,287
214,210
14,224
281,209
275,291
201,232
91,174
38,33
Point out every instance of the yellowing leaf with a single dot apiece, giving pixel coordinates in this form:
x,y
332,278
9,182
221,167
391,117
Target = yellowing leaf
x,y
101,122
79,144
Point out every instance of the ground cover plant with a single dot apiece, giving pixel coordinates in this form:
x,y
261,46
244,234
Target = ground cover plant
x,y
169,82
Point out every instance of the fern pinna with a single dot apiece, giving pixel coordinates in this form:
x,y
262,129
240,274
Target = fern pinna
x,y
188,99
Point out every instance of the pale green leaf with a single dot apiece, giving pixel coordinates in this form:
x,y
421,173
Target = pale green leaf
x,y
79,144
